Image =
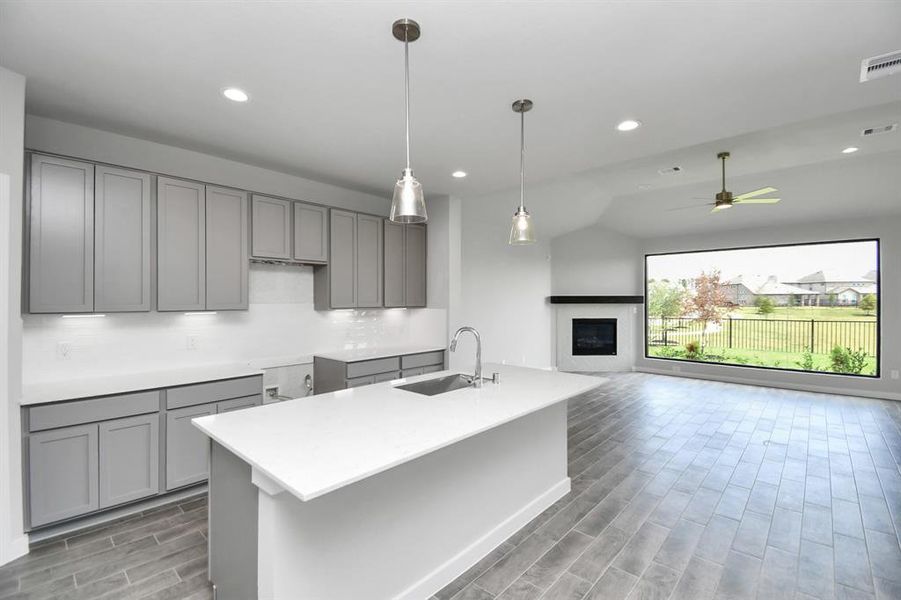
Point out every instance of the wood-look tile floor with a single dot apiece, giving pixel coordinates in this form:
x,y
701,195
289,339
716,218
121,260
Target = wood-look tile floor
x,y
682,489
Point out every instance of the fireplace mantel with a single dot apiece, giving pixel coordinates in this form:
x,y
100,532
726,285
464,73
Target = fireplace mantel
x,y
596,299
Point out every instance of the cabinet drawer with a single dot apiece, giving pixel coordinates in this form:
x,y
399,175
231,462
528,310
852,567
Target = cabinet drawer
x,y
238,403
422,360
382,377
372,367
360,381
50,416
201,393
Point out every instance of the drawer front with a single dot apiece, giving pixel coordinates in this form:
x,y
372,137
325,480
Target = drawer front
x,y
63,414
432,369
372,367
414,371
382,377
422,360
201,393
239,403
360,381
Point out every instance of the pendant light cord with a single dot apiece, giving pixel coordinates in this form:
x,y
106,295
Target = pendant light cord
x,y
407,94
522,159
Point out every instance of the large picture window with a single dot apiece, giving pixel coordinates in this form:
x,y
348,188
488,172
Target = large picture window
x,y
801,307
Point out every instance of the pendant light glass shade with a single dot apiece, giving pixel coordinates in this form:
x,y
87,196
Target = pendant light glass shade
x,y
408,205
521,232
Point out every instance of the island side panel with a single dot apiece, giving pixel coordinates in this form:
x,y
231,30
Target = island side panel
x,y
409,531
233,506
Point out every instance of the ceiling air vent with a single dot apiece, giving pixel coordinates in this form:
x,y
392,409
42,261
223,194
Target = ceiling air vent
x,y
670,170
880,66
877,130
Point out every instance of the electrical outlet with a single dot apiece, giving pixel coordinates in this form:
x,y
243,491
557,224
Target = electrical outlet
x,y
895,374
192,341
64,350
272,392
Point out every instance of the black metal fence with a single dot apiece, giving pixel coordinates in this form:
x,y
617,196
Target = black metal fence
x,y
767,335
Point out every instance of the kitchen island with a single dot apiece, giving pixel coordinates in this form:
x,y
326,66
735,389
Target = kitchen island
x,y
379,492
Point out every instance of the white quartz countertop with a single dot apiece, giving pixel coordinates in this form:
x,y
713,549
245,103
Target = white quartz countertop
x,y
357,354
72,389
315,445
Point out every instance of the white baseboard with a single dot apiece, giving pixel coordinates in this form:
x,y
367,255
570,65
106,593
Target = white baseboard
x,y
803,387
456,566
17,547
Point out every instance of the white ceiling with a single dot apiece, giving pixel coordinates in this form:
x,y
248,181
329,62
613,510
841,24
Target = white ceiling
x,y
326,78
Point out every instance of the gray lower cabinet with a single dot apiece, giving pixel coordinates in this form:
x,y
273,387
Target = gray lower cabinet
x,y
310,233
226,249
129,459
187,448
63,473
405,265
121,240
181,245
271,221
60,230
331,374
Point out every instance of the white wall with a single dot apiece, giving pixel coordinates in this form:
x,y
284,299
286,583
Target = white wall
x,y
886,228
13,542
504,288
596,261
280,326
68,139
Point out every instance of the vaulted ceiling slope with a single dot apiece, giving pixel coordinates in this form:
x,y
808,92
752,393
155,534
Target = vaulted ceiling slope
x,y
325,79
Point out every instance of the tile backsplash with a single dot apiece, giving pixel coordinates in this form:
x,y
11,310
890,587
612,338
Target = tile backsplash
x,y
279,324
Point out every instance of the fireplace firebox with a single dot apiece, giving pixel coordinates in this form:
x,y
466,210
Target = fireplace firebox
x,y
594,337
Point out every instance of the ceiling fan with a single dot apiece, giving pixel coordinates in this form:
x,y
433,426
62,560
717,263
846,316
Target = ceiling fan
x,y
725,199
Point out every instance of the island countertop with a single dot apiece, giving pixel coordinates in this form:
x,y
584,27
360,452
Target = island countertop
x,y
312,446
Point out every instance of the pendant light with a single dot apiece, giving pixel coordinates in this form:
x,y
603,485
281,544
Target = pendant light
x,y
521,232
407,205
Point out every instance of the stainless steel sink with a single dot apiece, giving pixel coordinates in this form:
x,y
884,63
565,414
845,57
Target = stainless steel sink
x,y
440,385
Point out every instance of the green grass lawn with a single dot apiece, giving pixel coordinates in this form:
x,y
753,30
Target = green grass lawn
x,y
755,358
820,313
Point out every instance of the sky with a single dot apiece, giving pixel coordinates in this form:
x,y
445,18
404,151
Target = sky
x,y
787,263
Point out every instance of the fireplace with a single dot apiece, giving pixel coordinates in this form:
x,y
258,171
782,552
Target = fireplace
x,y
594,337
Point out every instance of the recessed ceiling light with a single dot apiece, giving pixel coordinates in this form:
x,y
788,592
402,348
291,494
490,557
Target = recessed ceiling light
x,y
235,94
459,174
850,150
628,125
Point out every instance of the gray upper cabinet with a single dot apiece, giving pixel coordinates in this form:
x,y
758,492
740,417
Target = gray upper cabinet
x,y
121,240
61,236
310,233
342,279
415,266
226,249
369,261
63,473
181,245
271,227
187,448
129,459
395,295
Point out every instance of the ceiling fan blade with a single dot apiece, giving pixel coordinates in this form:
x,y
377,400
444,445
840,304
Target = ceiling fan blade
x,y
760,192
756,200
687,207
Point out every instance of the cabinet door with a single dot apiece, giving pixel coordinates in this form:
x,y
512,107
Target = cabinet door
x,y
415,265
61,236
187,448
62,473
271,227
342,259
121,240
129,459
310,233
181,245
394,265
369,261
226,249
